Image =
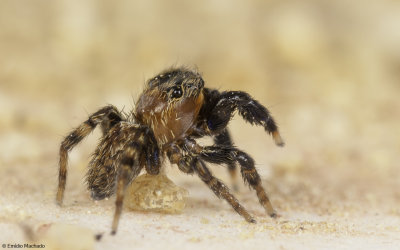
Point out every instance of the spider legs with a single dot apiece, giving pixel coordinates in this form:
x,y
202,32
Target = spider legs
x,y
218,154
107,114
224,139
220,189
103,168
251,110
190,164
129,169
122,154
184,162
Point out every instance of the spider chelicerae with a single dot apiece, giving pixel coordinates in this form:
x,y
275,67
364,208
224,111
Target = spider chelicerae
x,y
172,112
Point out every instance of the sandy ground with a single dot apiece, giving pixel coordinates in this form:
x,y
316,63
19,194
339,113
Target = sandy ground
x,y
320,206
328,72
314,215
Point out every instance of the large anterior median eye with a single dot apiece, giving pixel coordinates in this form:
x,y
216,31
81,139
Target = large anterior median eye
x,y
176,92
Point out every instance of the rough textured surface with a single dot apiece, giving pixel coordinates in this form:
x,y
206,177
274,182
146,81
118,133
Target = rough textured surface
x,y
327,70
64,237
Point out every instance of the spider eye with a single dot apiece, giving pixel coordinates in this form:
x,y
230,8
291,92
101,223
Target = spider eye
x,y
176,92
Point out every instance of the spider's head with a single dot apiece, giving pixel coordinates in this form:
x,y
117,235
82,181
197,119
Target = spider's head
x,y
177,84
171,103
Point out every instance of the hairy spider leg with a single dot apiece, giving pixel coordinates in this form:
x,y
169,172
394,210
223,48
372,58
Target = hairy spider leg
x,y
175,156
106,113
224,139
223,154
220,189
129,168
103,168
190,163
251,110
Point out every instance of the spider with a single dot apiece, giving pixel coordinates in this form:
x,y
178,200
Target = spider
x,y
172,112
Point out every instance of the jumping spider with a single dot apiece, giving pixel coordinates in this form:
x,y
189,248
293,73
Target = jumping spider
x,y
172,111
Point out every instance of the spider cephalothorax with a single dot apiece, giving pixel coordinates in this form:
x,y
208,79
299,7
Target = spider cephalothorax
x,y
173,110
170,104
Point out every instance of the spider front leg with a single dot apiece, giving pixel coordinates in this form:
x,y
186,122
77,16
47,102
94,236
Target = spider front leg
x,y
217,154
251,110
105,116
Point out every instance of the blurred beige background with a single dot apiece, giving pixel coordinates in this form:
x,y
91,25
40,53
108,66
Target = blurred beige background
x,y
329,71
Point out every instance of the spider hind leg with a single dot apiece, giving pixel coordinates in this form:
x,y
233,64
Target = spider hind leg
x,y
75,137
